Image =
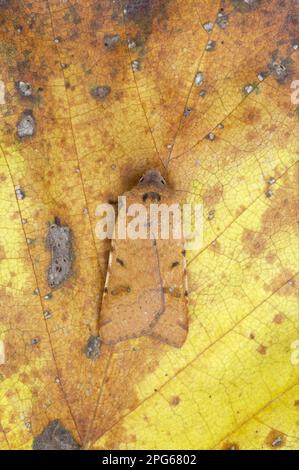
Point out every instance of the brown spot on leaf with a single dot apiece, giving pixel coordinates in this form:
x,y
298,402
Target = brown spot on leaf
x,y
254,243
282,212
251,115
174,401
215,246
213,195
279,318
280,284
262,349
230,446
275,439
270,257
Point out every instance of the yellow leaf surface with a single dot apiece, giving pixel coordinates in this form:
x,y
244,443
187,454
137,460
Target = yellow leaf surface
x,y
202,91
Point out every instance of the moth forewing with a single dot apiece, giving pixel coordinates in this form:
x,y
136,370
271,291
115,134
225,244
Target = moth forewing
x,y
145,292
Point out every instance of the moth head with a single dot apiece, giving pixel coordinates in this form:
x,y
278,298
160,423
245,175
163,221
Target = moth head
x,y
152,177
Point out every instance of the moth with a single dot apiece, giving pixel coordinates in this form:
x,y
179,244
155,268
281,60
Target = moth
x,y
145,292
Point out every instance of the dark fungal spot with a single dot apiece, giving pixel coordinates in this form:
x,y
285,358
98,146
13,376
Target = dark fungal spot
x,y
138,9
112,202
111,40
35,341
100,92
26,125
184,252
120,261
280,68
24,88
153,196
211,46
174,264
55,437
187,111
222,19
143,13
59,242
92,348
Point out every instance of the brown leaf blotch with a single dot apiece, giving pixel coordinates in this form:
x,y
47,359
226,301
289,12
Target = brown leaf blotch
x,y
275,439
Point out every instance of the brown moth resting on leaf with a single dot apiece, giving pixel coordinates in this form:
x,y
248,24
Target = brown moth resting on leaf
x,y
145,292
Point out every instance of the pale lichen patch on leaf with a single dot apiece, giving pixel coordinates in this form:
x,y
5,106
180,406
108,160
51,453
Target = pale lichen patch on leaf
x,y
26,125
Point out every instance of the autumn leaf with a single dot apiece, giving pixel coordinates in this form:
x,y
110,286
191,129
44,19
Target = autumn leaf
x,y
93,94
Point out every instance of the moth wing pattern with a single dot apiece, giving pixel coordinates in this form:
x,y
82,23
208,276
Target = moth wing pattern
x,y
172,326
145,292
133,296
